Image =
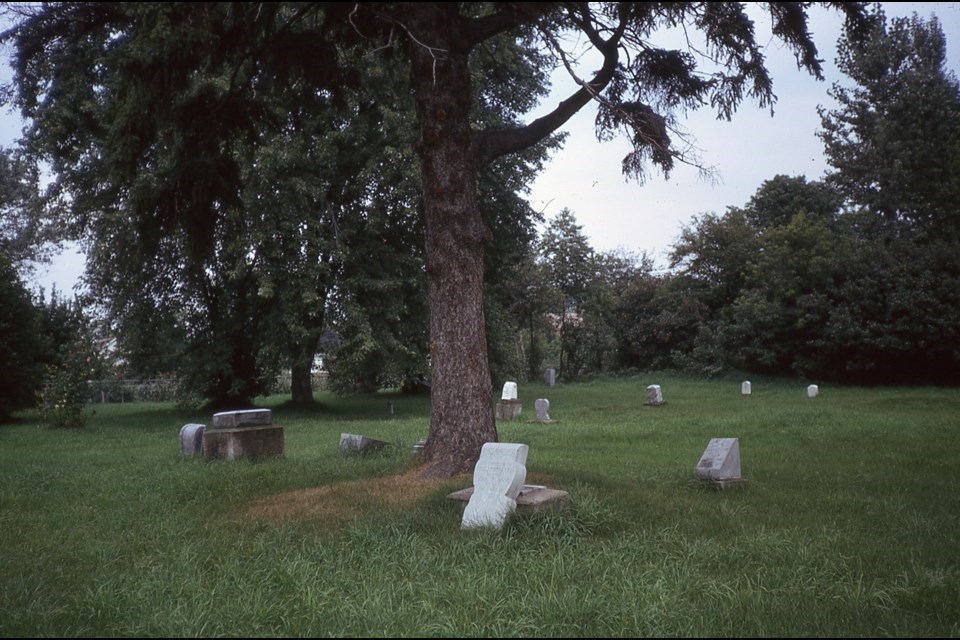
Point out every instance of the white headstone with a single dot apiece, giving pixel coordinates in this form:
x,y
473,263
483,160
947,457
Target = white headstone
x,y
550,377
509,391
191,439
654,395
745,388
542,406
812,391
498,478
720,460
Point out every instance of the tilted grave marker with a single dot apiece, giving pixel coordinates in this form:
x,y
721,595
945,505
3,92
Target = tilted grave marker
x,y
498,478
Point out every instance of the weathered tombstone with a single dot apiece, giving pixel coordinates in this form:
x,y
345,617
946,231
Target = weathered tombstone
x,y
243,434
246,418
419,445
550,377
813,391
720,462
542,406
497,480
745,388
191,439
654,395
390,409
509,406
350,443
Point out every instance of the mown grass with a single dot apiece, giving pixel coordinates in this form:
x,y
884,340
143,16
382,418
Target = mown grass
x,y
849,524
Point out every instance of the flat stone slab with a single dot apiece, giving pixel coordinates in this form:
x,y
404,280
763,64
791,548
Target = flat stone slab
x,y
532,498
245,418
350,442
244,442
729,483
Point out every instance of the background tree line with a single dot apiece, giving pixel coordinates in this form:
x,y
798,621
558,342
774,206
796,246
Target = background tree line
x,y
277,225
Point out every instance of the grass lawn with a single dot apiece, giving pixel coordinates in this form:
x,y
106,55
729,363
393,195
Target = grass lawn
x,y
849,524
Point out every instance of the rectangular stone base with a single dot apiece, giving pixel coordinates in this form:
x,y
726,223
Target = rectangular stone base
x,y
508,409
243,442
532,498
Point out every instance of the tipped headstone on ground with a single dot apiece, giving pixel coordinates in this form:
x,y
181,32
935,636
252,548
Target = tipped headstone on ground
x,y
191,439
745,388
720,463
542,406
497,479
509,406
550,377
654,395
813,391
353,443
498,488
243,434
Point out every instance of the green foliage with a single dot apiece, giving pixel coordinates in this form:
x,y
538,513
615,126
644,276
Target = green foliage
x,y
894,141
21,347
64,393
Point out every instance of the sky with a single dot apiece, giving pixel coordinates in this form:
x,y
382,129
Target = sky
x,y
753,147
585,176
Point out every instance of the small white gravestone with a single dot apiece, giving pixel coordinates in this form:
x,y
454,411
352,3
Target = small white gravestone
x,y
550,377
654,394
498,478
191,439
813,391
542,405
745,388
350,442
509,391
720,461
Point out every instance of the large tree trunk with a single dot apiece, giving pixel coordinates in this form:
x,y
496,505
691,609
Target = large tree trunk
x,y
461,414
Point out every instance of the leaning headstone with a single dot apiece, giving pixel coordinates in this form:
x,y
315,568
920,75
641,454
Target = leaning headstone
x,y
550,377
813,391
350,443
509,391
654,395
542,406
497,480
745,388
720,462
191,439
243,434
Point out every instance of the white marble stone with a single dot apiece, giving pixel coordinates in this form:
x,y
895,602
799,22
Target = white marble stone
x,y
498,478
745,388
813,391
509,391
542,405
245,418
191,439
354,442
654,394
720,460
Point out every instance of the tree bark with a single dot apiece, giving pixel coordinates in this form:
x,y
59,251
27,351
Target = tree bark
x,y
461,414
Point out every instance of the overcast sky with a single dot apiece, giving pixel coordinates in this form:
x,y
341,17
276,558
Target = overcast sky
x,y
751,148
585,175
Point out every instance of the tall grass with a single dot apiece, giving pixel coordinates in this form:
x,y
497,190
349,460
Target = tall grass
x,y
849,524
